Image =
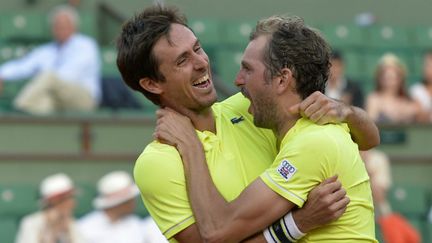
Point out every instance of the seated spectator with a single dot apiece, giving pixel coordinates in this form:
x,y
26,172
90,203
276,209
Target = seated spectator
x,y
422,92
395,228
389,102
54,222
64,74
341,87
114,221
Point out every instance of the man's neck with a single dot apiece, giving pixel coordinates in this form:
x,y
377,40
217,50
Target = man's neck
x,y
286,120
202,120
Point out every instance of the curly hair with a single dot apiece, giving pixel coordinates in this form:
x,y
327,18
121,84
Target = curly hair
x,y
294,45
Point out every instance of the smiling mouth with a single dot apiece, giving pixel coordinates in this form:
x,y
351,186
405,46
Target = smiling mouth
x,y
203,82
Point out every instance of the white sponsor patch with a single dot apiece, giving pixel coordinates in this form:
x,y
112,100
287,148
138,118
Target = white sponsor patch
x,y
286,170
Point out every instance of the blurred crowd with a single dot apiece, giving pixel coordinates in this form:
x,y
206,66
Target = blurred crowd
x,y
112,221
65,75
391,100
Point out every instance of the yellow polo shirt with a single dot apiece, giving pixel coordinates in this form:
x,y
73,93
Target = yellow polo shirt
x,y
311,153
236,155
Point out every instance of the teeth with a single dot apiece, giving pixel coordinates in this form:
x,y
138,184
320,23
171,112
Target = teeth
x,y
201,80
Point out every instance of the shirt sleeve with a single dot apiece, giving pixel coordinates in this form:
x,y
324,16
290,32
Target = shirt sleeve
x,y
79,60
23,67
299,167
160,177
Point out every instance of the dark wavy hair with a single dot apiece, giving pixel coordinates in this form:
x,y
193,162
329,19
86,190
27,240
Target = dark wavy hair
x,y
135,58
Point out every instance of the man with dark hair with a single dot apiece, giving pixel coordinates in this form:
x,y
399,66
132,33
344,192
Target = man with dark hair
x,y
340,86
161,57
284,63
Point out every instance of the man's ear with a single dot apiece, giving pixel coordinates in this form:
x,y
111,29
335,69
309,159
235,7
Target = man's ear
x,y
151,85
285,80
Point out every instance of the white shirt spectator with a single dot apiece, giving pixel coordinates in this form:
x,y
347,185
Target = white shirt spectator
x,y
96,228
77,60
419,93
33,229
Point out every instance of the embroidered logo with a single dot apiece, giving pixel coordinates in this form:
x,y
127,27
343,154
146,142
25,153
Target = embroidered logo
x,y
286,170
236,120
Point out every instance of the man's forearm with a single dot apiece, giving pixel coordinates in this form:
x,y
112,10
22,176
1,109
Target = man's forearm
x,y
209,207
363,130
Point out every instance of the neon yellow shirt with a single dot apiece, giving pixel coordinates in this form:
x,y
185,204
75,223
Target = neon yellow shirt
x,y
311,153
236,155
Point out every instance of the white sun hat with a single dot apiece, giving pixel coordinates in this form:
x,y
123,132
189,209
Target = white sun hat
x,y
55,187
115,188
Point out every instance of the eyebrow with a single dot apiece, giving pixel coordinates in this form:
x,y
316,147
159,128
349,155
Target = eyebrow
x,y
244,64
186,53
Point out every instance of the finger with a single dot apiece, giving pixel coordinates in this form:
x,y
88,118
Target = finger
x,y
318,116
306,103
312,109
160,113
338,213
309,100
332,186
295,109
338,195
340,205
329,180
165,137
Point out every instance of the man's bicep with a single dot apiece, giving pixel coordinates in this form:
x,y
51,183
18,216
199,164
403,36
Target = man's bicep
x,y
257,207
190,234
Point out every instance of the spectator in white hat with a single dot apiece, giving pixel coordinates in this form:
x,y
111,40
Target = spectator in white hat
x,y
114,220
54,223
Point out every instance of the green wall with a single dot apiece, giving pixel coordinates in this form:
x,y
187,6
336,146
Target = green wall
x,y
388,11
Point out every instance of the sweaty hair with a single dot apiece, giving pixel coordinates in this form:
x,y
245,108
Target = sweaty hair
x,y
135,58
297,47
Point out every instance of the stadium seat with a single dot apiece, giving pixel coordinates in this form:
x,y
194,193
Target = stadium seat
x,y
8,230
370,64
417,67
423,37
207,30
88,23
343,35
17,200
109,65
378,232
236,33
354,64
140,208
84,197
428,227
409,200
24,26
10,91
228,64
388,37
10,51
